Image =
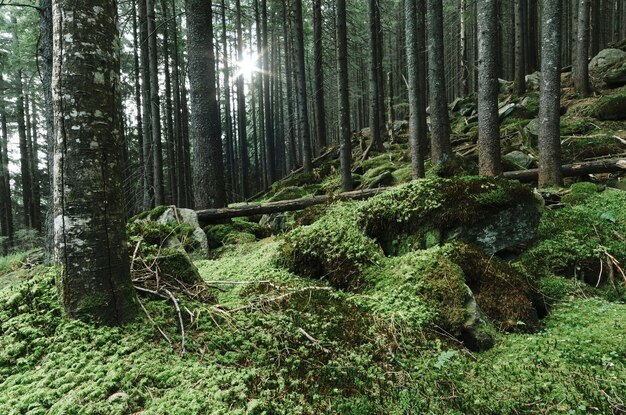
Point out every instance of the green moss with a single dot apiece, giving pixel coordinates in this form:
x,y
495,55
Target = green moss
x,y
149,236
610,107
332,248
433,204
578,148
403,174
555,289
417,290
508,297
290,192
12,262
238,230
579,192
576,126
576,241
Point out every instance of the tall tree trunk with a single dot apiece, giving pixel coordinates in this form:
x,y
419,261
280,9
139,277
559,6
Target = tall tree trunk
x,y
148,169
377,142
155,107
6,209
291,139
415,45
345,135
320,108
270,150
520,48
550,96
581,64
33,152
231,171
488,122
241,111
258,80
186,145
138,108
596,29
464,70
208,180
439,120
89,225
169,122
182,198
307,155
531,41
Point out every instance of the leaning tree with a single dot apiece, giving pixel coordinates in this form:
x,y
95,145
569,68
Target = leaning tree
x,y
89,226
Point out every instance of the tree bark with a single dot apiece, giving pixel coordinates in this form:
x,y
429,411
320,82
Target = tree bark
x,y
231,164
488,121
343,87
581,63
307,154
89,225
414,27
6,209
520,47
320,108
241,111
550,96
138,108
148,169
439,120
270,150
155,106
208,179
374,88
169,121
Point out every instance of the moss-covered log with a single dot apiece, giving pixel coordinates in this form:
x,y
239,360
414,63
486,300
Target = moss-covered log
x,y
572,170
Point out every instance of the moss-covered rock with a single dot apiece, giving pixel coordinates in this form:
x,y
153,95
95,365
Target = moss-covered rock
x,y
493,213
175,267
508,297
580,148
611,107
426,289
582,240
579,192
333,248
238,230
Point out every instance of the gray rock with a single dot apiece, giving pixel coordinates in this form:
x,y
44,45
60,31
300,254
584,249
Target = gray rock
x,y
475,334
506,110
188,216
275,221
384,179
609,66
503,229
533,127
533,80
519,159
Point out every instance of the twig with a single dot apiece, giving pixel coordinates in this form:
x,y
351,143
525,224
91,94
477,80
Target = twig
x,y
180,319
151,292
313,340
154,322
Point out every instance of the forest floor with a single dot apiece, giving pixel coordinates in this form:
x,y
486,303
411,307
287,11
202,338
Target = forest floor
x,y
338,309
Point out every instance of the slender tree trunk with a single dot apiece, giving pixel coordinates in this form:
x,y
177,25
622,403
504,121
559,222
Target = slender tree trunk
x,y
208,180
596,30
270,150
148,169
581,64
307,155
374,116
169,122
531,43
33,152
520,48
182,198
464,70
550,98
241,111
345,137
379,71
390,111
89,225
6,209
155,110
231,171
414,27
439,120
186,145
291,139
488,122
320,108
45,60
138,107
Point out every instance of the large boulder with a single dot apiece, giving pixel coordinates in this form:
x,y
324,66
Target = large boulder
x,y
495,214
611,107
608,67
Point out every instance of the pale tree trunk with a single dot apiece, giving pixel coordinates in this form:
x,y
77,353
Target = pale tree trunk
x,y
581,64
208,169
302,93
414,27
488,122
343,86
439,120
89,226
550,96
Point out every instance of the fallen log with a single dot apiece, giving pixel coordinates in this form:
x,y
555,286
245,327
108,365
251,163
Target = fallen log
x,y
208,216
572,170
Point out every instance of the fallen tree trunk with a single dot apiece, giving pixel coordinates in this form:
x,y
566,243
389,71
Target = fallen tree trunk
x,y
208,216
572,170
